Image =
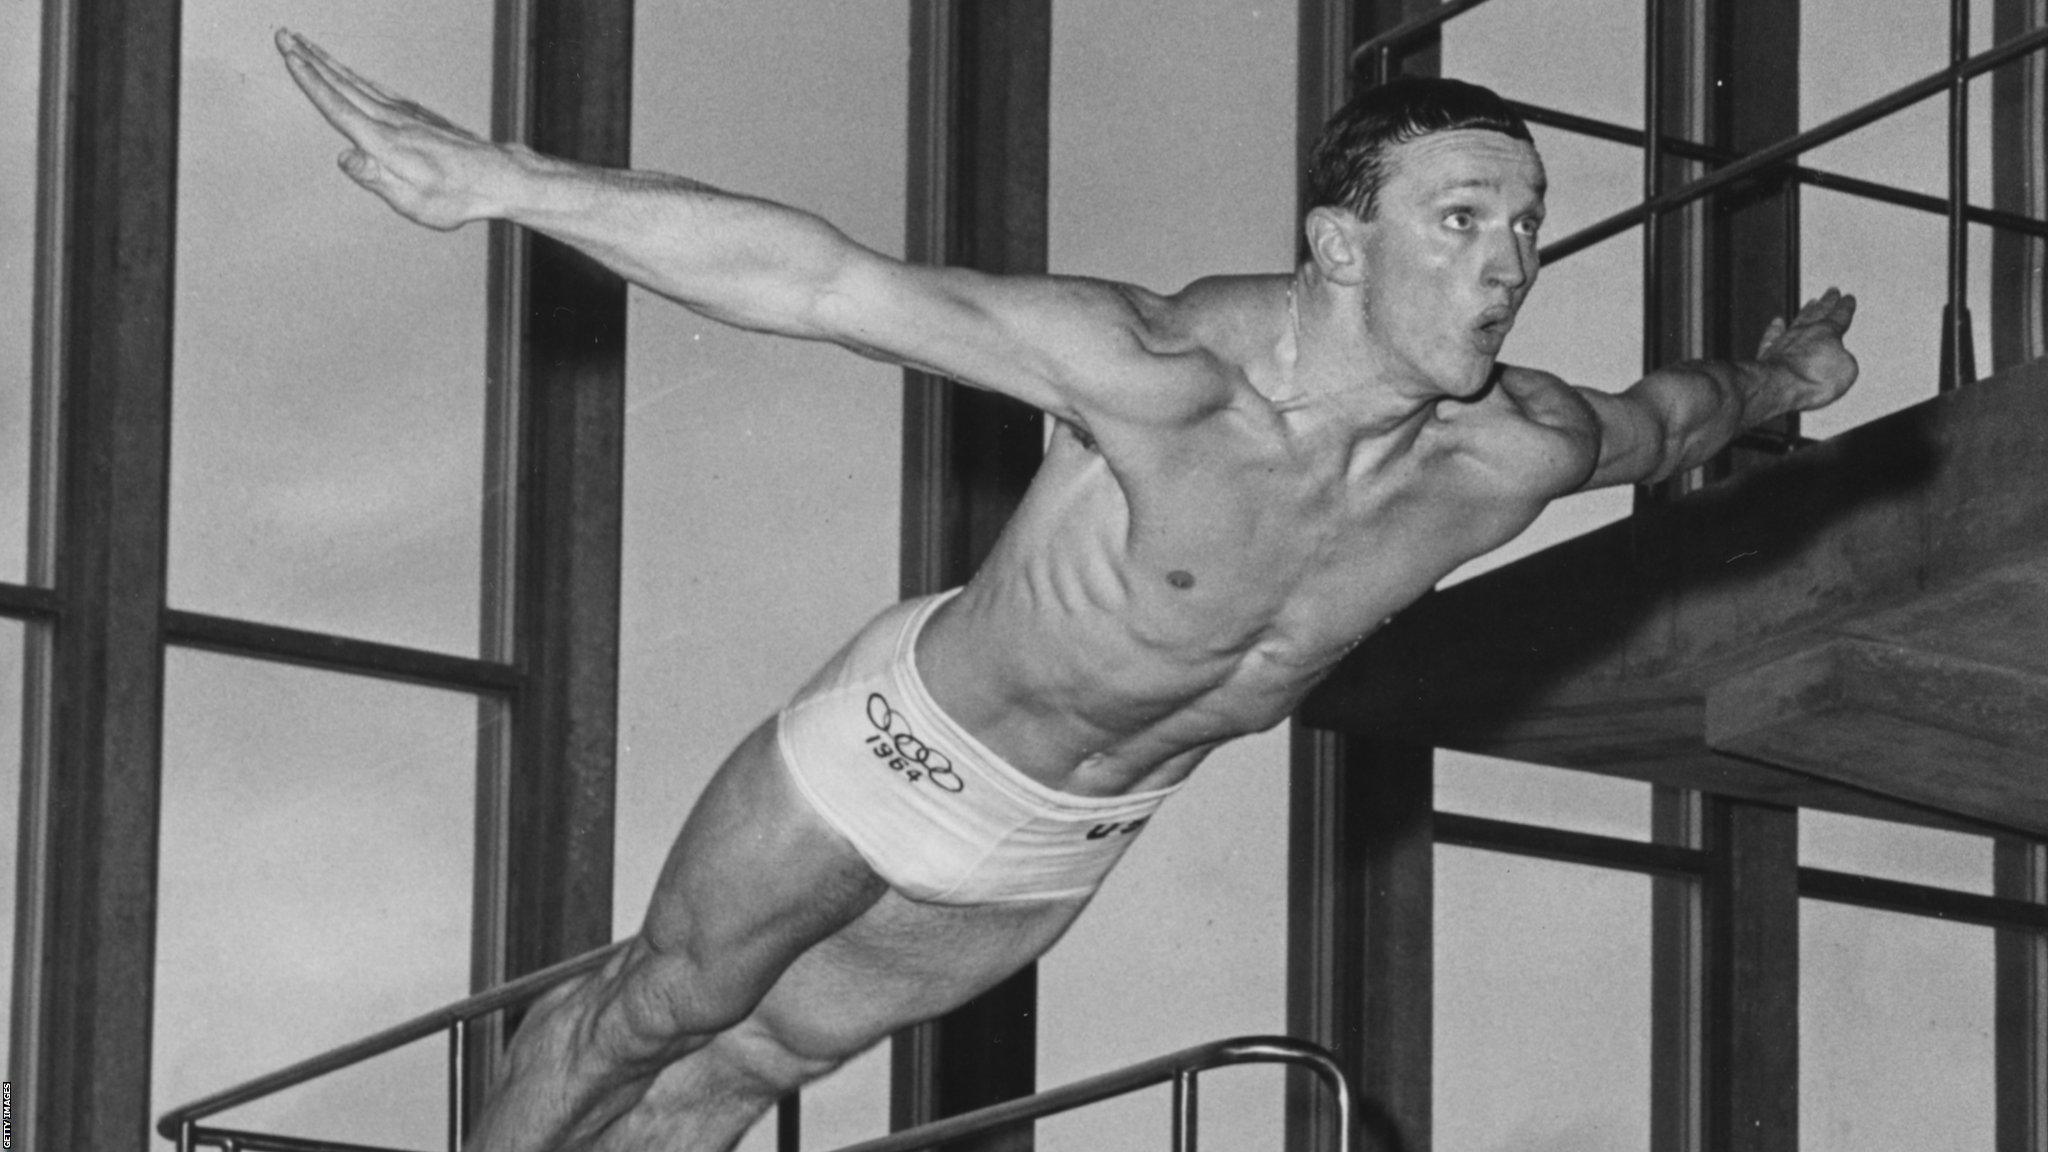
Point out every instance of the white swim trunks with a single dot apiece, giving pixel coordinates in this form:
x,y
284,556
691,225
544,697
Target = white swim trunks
x,y
931,809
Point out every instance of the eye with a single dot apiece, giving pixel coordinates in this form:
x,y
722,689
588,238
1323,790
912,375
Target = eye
x,y
1459,219
1529,225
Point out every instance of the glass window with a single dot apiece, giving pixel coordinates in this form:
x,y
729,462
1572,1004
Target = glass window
x,y
11,637
314,887
20,75
1900,284
327,445
1515,47
1535,794
1896,1017
762,475
1542,1005
1186,942
1907,852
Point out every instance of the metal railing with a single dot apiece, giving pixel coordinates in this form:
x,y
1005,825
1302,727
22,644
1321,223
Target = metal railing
x,y
1181,1069
1373,61
182,1123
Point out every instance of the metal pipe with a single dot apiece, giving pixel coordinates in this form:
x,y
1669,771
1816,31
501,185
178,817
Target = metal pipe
x,y
338,653
789,1123
236,1140
1958,359
503,996
1241,1050
1785,149
1653,182
1834,182
458,1084
1184,1111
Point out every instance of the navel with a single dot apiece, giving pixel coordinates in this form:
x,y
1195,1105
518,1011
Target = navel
x,y
1181,579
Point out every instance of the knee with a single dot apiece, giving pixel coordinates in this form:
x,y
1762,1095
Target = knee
x,y
662,1001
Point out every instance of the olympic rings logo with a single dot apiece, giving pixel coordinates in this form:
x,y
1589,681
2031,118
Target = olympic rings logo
x,y
904,752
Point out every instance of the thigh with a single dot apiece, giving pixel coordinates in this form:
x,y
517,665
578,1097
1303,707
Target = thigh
x,y
899,963
755,877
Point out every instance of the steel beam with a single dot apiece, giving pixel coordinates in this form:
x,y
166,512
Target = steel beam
x,y
2019,184
1360,946
554,485
92,775
980,86
2022,1006
1751,963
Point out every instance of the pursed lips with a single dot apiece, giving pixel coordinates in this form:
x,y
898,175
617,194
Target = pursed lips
x,y
1493,324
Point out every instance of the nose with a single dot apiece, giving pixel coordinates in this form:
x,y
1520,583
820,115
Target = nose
x,y
1510,261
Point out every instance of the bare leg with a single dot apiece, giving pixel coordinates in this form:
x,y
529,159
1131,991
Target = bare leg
x,y
900,962
754,879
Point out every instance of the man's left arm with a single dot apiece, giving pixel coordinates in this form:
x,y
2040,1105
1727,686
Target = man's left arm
x,y
1677,417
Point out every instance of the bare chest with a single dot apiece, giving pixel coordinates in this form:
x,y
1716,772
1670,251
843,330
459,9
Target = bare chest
x,y
1276,556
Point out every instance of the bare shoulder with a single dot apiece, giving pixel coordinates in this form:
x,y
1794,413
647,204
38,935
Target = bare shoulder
x,y
1546,399
1236,317
1192,351
1530,429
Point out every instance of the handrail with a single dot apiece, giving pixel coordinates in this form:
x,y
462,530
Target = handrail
x,y
1792,146
1178,1067
1181,1068
506,995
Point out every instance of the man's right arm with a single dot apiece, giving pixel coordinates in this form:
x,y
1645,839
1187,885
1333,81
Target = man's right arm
x,y
1075,348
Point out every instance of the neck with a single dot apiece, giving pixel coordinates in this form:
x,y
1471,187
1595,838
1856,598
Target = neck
x,y
1338,368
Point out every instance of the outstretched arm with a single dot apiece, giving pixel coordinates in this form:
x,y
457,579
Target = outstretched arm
x,y
745,261
1677,417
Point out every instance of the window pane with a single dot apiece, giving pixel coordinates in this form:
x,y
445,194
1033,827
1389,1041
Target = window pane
x,y
20,73
327,445
1172,159
1535,794
1896,1046
761,474
1531,50
1899,284
315,887
1542,1005
11,637
1896,851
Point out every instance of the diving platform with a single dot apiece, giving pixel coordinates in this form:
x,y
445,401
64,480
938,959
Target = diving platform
x,y
1860,626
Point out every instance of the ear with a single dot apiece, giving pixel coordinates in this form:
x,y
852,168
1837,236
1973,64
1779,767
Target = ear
x,y
1336,243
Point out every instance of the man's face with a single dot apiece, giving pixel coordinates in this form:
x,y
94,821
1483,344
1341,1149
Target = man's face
x,y
1451,254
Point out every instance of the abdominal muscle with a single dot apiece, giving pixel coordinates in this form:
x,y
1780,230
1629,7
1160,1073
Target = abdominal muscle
x,y
1088,670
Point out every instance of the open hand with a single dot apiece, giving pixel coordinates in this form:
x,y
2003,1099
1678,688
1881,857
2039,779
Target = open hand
x,y
431,171
1816,368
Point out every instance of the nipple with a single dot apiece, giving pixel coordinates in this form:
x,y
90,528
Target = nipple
x,y
1181,579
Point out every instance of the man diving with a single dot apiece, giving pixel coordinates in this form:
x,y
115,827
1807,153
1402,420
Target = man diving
x,y
1245,478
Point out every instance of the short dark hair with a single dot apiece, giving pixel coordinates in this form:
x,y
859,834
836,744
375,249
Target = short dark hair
x,y
1348,165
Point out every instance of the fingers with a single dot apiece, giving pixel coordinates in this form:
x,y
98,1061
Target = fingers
x,y
1844,313
344,107
1771,334
1832,307
318,71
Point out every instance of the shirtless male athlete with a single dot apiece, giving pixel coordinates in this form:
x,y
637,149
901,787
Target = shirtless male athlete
x,y
1245,478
